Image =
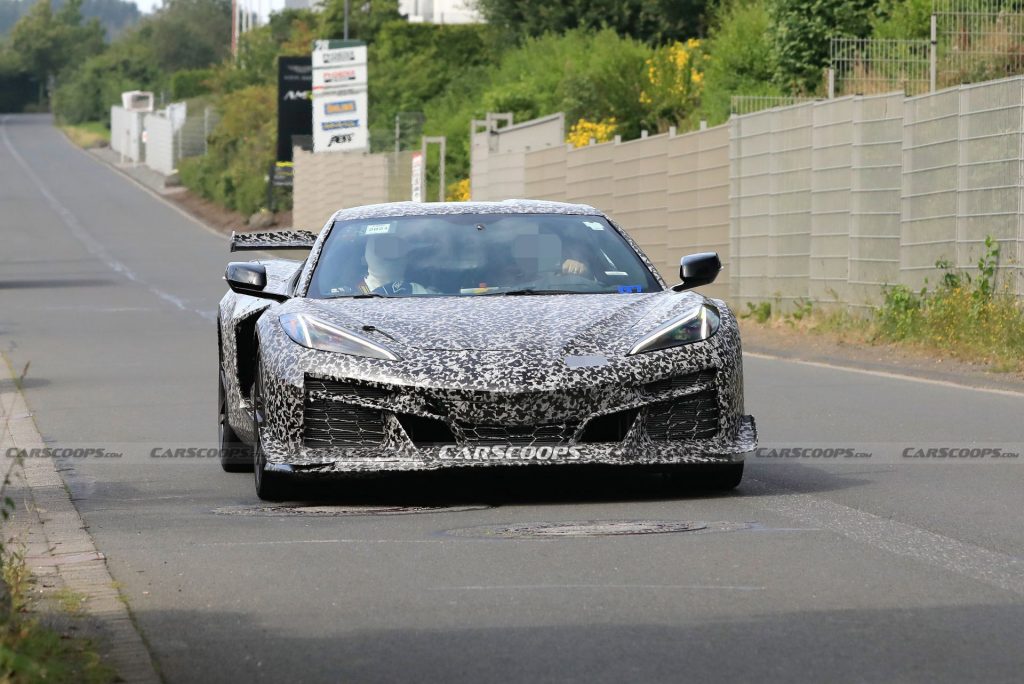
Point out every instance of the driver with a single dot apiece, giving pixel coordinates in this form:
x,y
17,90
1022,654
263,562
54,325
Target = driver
x,y
386,260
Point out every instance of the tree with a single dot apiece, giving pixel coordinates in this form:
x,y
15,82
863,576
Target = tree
x,y
191,34
46,42
364,22
651,21
741,58
801,35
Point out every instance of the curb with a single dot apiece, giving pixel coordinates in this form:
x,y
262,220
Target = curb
x,y
59,550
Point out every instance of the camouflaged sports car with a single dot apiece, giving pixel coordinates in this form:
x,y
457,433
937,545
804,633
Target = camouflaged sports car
x,y
421,336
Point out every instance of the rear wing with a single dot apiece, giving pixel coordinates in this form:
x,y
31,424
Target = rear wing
x,y
278,239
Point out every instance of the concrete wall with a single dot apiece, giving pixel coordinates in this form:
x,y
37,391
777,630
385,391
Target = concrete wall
x,y
670,192
330,181
697,190
498,155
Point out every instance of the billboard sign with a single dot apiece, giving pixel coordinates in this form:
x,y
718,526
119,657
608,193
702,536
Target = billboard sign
x,y
294,102
329,78
340,122
324,56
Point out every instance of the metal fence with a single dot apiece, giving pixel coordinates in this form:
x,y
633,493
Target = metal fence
x,y
748,104
169,139
978,39
867,66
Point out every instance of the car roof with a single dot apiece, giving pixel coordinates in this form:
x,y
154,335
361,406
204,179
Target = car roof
x,y
510,206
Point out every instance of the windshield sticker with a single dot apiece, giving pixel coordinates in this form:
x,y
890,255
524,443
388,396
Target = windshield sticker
x,y
593,225
626,289
378,228
616,273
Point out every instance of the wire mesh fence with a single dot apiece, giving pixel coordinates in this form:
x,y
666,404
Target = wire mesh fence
x,y
191,139
978,40
405,134
868,66
748,104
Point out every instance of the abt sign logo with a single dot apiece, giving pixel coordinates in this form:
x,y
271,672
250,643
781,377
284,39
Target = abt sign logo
x,y
295,95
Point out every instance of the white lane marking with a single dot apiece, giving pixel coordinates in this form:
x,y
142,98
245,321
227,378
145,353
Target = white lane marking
x,y
968,560
498,587
886,374
90,243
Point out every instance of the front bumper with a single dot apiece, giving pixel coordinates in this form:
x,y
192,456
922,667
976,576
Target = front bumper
x,y
502,408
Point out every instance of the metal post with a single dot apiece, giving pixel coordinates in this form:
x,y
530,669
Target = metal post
x,y
346,19
831,83
442,141
270,186
932,54
444,153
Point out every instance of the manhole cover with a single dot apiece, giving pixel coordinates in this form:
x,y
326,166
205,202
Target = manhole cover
x,y
329,511
587,528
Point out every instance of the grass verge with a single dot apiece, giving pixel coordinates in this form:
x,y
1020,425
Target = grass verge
x,y
88,134
29,650
963,317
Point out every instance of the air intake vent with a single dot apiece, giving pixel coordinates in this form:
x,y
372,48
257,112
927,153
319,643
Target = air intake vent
x,y
553,434
680,382
329,421
691,417
425,431
345,388
609,428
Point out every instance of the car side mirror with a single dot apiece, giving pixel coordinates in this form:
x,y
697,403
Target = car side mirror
x,y
250,279
698,269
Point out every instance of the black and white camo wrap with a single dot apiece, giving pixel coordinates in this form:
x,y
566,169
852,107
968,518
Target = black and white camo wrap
x,y
508,361
278,239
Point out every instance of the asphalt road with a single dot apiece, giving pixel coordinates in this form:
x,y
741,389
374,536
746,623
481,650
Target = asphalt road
x,y
812,571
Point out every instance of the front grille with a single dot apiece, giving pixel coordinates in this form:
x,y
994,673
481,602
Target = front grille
x,y
690,417
552,434
679,382
425,431
329,421
609,428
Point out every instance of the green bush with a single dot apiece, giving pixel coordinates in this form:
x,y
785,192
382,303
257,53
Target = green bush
x,y
190,83
241,148
741,58
89,92
964,315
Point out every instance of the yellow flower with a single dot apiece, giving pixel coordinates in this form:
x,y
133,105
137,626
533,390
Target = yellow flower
x,y
581,132
458,191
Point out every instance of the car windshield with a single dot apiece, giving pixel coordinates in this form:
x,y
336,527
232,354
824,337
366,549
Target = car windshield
x,y
477,255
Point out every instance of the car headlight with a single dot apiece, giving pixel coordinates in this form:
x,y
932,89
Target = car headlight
x,y
316,334
694,326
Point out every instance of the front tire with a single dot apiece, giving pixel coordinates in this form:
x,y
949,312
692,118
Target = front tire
x,y
235,455
269,486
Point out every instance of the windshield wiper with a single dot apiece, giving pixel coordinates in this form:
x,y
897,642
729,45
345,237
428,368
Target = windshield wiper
x,y
361,295
526,292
